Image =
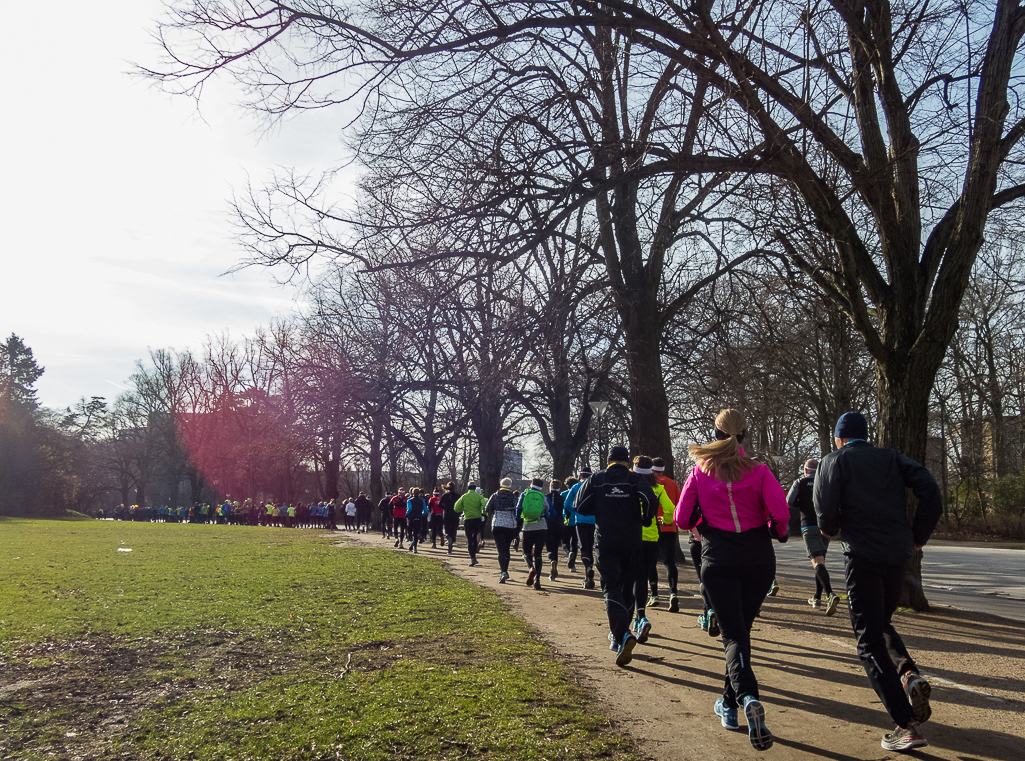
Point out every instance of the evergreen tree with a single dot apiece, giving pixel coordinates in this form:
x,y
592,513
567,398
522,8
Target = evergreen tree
x,y
18,373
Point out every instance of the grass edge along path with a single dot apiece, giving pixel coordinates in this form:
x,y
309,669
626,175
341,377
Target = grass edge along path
x,y
226,642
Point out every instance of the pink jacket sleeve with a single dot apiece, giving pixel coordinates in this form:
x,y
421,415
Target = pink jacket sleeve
x,y
686,514
775,500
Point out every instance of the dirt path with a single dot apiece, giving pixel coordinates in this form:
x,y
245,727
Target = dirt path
x,y
818,701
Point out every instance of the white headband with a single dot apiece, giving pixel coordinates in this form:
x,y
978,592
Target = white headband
x,y
658,468
642,471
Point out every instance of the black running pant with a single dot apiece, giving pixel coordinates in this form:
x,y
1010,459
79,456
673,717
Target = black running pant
x,y
736,592
471,528
569,538
451,528
695,556
620,566
667,544
873,590
534,548
553,538
437,527
413,527
400,529
585,537
503,541
649,566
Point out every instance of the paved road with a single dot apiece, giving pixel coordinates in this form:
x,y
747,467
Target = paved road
x,y
981,579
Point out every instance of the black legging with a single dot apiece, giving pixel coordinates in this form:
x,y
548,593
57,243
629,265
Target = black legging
x,y
649,565
736,592
471,528
503,540
534,547
667,544
451,528
437,527
585,536
413,526
400,529
695,556
553,538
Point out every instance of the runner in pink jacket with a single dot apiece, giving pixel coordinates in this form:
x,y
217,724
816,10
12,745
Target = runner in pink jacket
x,y
742,508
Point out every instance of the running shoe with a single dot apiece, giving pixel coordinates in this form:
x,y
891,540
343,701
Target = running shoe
x,y
774,589
553,571
450,549
537,583
902,739
760,736
589,582
626,649
653,602
713,624
703,622
674,604
728,716
918,691
815,602
530,577
526,559
613,645
473,562
503,577
571,566
643,629
396,542
831,602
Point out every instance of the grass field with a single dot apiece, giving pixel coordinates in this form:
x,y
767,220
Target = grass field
x,y
228,642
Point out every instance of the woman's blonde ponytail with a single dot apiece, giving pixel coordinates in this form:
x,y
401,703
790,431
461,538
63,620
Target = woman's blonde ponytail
x,y
722,458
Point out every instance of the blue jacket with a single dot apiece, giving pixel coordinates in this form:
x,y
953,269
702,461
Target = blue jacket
x,y
570,503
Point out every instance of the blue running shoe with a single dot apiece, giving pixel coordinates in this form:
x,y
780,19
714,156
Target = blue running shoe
x,y
642,629
626,649
759,735
613,645
727,715
703,622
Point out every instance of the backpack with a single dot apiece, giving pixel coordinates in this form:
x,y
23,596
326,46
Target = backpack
x,y
533,506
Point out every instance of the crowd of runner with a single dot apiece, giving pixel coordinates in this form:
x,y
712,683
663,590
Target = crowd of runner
x,y
626,520
619,524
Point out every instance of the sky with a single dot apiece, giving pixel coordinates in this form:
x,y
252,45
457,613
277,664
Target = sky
x,y
115,224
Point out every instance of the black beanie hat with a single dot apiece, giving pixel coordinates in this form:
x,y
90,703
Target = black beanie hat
x,y
851,425
619,454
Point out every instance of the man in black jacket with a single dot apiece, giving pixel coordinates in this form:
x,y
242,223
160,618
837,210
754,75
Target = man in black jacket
x,y
860,490
621,502
800,499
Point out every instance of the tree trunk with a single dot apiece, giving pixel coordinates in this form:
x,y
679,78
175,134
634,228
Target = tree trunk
x,y
903,388
642,334
376,458
332,465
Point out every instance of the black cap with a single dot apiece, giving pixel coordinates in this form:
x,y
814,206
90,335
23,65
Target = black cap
x,y
619,454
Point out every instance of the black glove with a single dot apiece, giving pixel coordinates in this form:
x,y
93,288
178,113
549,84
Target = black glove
x,y
774,531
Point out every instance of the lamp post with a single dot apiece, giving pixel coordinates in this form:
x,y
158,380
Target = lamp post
x,y
599,408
